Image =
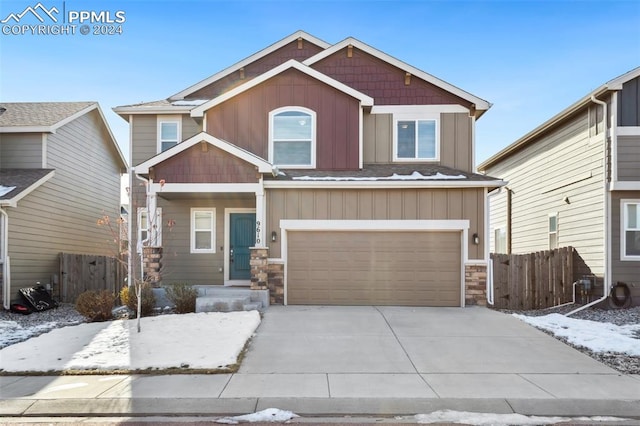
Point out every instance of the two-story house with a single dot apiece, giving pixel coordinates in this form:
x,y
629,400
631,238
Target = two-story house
x,y
575,181
60,170
342,170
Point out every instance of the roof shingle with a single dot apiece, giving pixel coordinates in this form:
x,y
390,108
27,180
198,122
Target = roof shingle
x,y
31,114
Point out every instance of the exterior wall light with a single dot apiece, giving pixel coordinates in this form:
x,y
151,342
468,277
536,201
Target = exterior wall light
x,y
274,236
476,239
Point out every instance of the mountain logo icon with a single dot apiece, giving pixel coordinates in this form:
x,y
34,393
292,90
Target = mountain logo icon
x,y
38,11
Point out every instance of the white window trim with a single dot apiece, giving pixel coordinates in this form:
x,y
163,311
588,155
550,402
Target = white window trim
x,y
154,229
416,117
167,119
623,234
192,231
557,231
313,137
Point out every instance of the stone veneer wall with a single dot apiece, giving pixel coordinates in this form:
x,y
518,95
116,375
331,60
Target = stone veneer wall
x,y
259,267
475,285
276,282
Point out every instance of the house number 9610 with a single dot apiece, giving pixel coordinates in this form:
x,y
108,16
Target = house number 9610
x,y
257,232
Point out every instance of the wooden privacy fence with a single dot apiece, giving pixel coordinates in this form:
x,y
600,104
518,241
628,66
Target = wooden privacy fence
x,y
533,281
82,272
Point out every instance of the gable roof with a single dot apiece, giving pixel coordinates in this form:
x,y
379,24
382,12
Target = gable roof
x,y
529,138
235,67
47,117
480,104
262,165
291,63
162,106
18,183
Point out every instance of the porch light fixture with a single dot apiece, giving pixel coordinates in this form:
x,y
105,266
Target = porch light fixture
x,y
476,239
274,236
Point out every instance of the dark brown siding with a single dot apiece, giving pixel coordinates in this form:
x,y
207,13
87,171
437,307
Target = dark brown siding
x,y
262,65
244,119
382,81
211,166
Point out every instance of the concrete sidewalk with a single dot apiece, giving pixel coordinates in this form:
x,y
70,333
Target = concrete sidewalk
x,y
334,361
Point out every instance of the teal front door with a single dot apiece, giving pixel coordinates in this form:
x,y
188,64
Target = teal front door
x,y
242,235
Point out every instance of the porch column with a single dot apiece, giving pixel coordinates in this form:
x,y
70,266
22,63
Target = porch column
x,y
261,218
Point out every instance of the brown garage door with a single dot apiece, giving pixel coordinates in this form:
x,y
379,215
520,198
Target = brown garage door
x,y
373,268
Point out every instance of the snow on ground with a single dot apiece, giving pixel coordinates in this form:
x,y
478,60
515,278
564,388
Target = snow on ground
x,y
597,336
468,418
198,341
268,415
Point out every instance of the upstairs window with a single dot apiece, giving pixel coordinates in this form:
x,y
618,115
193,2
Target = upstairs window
x,y
292,137
169,132
415,139
630,230
553,231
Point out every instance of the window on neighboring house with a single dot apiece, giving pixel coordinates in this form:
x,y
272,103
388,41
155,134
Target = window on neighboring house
x,y
203,230
149,231
143,228
169,130
500,240
630,237
415,139
292,137
553,231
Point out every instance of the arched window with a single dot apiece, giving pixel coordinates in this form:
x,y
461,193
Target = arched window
x,y
292,137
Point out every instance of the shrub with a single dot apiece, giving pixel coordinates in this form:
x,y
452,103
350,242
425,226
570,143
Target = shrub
x,y
183,296
96,306
128,297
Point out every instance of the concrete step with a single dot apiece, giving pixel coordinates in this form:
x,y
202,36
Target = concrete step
x,y
252,307
260,297
221,304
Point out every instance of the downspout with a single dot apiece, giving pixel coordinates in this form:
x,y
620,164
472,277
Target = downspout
x,y
607,213
4,249
487,248
146,189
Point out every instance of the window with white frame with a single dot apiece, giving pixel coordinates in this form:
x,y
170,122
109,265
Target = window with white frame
x,y
500,240
415,138
169,131
292,137
630,232
149,229
553,231
203,230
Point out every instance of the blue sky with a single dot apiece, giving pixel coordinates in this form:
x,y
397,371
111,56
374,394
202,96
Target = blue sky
x,y
531,59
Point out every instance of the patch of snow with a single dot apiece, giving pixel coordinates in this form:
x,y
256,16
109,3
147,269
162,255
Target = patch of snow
x,y
268,415
395,176
4,190
597,336
190,102
468,418
166,341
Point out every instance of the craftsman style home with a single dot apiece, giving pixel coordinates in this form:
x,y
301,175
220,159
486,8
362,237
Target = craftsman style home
x,y
330,174
60,170
575,181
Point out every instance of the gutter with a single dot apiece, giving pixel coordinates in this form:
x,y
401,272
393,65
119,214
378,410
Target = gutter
x,y
607,214
4,249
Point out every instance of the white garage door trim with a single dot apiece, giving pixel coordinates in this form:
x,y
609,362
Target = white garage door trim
x,y
461,226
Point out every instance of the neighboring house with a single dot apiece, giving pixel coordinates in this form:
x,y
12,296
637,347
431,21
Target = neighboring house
x,y
575,181
60,171
333,174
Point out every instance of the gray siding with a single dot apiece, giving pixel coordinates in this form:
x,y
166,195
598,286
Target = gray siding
x,y
21,151
629,158
629,103
179,265
455,140
61,215
145,135
626,271
563,163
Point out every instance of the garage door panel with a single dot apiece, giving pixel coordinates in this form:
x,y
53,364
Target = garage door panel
x,y
374,268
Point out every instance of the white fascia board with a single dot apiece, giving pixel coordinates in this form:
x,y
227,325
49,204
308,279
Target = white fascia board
x,y
624,186
27,129
418,109
203,188
114,142
374,225
479,103
383,184
74,116
13,202
628,130
616,83
262,165
291,63
258,55
124,112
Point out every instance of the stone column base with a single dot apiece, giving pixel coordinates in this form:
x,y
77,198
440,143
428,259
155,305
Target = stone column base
x,y
475,285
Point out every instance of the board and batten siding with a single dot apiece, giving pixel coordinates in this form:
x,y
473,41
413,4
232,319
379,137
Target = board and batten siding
x,y
376,204
21,150
62,214
629,158
455,140
562,172
179,264
144,132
